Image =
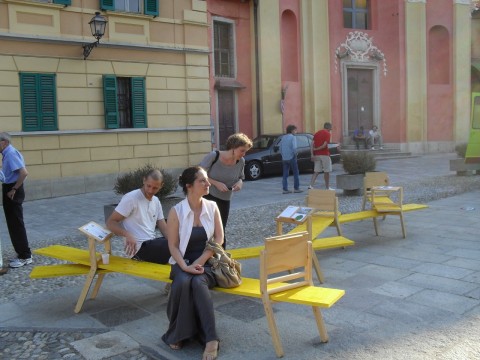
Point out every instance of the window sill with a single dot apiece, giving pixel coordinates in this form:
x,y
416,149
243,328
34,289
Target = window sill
x,y
36,3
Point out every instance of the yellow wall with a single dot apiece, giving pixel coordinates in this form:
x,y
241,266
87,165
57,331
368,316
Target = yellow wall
x,y
170,52
270,66
316,64
416,73
461,69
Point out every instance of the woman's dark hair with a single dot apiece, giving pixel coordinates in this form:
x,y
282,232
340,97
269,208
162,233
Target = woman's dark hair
x,y
188,177
291,128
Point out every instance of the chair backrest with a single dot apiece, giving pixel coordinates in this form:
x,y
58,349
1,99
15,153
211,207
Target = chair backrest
x,y
324,202
376,178
284,253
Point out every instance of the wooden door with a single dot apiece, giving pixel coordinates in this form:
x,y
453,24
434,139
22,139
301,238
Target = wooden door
x,y
360,99
226,116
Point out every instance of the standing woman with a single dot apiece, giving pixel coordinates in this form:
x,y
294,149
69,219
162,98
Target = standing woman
x,y
190,224
225,172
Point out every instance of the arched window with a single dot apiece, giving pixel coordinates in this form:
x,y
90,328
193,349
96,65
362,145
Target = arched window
x,y
439,55
289,46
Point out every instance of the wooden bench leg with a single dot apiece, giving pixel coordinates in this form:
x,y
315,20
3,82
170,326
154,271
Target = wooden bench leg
x,y
86,288
322,330
317,268
404,231
277,343
375,225
96,288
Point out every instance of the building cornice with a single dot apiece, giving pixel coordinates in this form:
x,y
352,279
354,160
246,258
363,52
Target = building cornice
x,y
106,44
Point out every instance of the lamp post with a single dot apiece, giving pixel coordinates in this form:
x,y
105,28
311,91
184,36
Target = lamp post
x,y
97,26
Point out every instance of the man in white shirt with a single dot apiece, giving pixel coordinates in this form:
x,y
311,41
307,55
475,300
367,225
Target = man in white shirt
x,y
136,217
375,138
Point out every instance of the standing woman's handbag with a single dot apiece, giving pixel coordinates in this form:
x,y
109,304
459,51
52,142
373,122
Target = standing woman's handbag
x,y
227,271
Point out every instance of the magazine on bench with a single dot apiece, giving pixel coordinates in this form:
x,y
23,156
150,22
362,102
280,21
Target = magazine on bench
x,y
96,231
297,213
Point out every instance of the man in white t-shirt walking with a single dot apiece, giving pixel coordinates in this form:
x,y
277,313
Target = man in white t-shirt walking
x,y
136,217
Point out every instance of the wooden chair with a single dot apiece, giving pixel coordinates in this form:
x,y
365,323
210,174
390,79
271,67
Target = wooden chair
x,y
371,179
281,255
325,205
388,202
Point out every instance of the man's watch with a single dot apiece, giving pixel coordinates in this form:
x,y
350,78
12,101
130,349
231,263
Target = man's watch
x,y
14,188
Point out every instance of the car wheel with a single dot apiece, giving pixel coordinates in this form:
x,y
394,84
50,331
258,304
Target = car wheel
x,y
254,170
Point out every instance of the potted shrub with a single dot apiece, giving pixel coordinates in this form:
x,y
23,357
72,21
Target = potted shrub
x,y
355,164
133,179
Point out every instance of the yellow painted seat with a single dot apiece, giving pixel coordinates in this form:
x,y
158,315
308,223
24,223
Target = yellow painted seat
x,y
286,273
371,179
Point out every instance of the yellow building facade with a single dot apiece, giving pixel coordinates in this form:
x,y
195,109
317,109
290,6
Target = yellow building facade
x,y
55,104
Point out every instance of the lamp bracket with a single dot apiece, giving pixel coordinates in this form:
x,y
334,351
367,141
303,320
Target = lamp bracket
x,y
87,48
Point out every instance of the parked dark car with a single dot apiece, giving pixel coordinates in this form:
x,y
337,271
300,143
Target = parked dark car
x,y
264,157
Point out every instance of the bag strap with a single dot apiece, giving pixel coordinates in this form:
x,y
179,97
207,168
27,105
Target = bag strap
x,y
216,158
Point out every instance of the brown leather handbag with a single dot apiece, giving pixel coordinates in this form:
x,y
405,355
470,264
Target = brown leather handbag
x,y
227,271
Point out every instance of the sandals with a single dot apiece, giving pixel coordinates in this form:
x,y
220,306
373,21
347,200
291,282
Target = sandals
x,y
211,355
176,346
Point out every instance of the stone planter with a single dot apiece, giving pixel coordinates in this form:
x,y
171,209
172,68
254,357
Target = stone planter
x,y
108,210
463,169
350,184
168,203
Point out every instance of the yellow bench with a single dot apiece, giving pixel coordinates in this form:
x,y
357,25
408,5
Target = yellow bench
x,y
86,262
314,296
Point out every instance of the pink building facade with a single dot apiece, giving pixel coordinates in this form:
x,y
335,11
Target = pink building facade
x,y
401,65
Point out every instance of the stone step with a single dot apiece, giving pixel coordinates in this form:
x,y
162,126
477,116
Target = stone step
x,y
388,152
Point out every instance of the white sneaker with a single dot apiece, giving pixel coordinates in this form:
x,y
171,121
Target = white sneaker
x,y
310,187
381,147
16,263
373,147
331,189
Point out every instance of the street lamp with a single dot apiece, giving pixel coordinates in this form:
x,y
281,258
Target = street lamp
x,y
97,26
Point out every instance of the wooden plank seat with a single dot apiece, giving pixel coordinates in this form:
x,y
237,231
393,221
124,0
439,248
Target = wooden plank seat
x,y
318,244
278,280
322,297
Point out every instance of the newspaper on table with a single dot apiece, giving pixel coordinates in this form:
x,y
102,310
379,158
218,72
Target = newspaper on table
x,y
297,213
96,231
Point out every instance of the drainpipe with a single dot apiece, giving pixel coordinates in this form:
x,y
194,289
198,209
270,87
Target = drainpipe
x,y
257,65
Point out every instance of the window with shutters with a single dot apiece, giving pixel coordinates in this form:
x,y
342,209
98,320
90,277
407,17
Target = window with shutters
x,y
356,14
223,51
38,96
63,2
147,7
124,102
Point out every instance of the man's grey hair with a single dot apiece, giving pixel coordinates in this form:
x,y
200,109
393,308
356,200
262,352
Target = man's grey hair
x,y
5,136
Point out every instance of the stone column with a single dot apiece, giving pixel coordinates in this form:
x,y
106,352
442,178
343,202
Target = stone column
x,y
315,47
416,75
462,33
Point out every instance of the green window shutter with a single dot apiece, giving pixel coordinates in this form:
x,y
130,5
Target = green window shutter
x,y
151,7
139,106
107,4
48,101
64,2
39,102
29,99
110,101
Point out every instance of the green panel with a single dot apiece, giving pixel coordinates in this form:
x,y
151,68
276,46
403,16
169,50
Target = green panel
x,y
139,108
64,2
473,147
110,100
107,4
48,101
29,100
151,7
